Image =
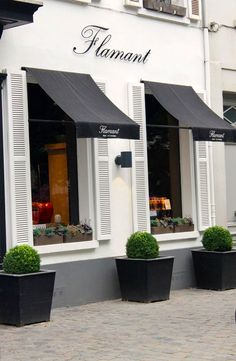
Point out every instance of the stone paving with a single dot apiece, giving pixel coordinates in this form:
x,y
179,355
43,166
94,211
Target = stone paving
x,y
194,325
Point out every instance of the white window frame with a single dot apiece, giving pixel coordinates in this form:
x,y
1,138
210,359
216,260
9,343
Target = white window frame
x,y
140,191
230,101
11,142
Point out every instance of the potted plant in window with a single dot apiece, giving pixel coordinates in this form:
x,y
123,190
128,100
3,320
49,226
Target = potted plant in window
x,y
183,224
49,235
160,226
25,291
144,276
78,233
215,265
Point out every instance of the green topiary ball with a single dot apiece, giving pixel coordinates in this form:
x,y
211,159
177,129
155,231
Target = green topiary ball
x,y
21,259
142,245
217,238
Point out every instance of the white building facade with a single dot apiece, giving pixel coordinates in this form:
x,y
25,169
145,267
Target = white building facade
x,y
221,27
122,45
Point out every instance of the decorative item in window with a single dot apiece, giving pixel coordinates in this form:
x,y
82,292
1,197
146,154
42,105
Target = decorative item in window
x,y
160,226
79,233
171,225
183,224
49,235
45,211
35,214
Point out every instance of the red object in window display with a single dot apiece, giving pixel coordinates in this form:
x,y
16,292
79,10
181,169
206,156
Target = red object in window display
x,y
45,212
35,215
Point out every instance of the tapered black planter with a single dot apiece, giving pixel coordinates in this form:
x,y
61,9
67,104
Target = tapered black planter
x,y
215,270
145,280
27,298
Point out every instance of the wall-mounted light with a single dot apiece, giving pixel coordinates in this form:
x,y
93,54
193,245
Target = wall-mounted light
x,y
124,160
213,27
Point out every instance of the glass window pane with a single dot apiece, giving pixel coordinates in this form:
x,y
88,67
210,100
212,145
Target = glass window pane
x,y
163,162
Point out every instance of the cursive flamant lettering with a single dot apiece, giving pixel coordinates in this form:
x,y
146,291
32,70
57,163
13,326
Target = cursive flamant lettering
x,y
92,35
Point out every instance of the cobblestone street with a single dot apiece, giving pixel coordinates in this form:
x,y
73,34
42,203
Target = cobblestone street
x,y
194,325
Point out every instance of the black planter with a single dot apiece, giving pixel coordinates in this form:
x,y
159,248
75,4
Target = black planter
x,y
145,280
27,298
215,270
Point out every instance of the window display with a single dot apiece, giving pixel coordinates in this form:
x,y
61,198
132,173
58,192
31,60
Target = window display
x,y
54,178
164,170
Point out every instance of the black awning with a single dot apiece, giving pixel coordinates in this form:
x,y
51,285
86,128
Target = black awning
x,y
15,13
95,116
183,103
2,77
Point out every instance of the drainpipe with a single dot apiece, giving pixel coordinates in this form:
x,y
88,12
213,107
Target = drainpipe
x,y
208,100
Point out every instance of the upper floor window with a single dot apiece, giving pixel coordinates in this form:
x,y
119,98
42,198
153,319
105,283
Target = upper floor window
x,y
230,113
181,8
172,7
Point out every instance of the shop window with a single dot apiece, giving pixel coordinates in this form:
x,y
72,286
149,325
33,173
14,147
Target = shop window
x,y
164,172
54,156
229,113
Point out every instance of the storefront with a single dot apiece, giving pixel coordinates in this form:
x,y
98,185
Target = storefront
x,y
12,14
103,135
222,92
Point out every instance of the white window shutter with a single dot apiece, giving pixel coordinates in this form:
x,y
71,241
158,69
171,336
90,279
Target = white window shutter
x,y
133,3
102,185
141,214
16,144
194,9
203,185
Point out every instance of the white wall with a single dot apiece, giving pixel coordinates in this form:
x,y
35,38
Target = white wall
x,y
176,57
222,45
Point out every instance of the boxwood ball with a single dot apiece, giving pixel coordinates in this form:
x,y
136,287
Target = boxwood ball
x,y
142,245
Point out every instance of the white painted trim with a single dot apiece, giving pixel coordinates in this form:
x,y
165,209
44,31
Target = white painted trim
x,y
204,205
137,113
66,247
187,175
16,84
176,236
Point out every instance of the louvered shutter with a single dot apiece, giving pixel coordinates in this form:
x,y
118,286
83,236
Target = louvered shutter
x,y
16,144
194,9
141,214
203,183
133,3
102,185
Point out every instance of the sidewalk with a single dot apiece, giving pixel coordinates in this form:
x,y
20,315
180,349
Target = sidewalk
x,y
194,325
